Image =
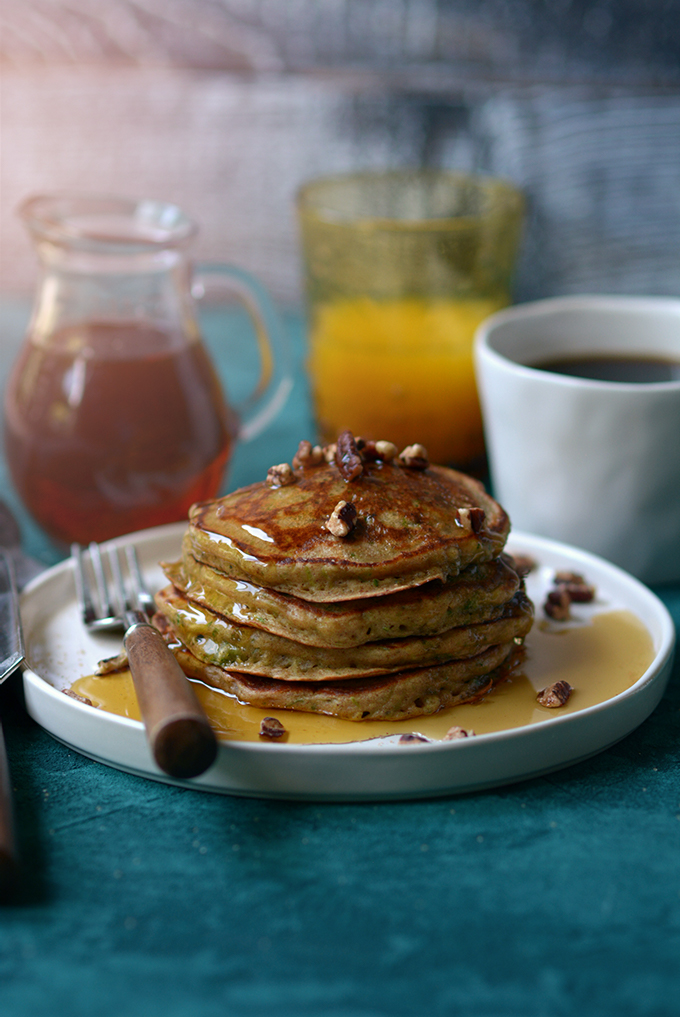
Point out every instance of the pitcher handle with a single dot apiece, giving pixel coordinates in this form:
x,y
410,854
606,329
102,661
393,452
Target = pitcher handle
x,y
275,382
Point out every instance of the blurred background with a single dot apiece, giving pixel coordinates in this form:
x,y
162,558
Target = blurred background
x,y
226,106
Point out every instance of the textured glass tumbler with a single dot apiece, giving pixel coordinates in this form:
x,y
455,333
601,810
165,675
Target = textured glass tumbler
x,y
400,268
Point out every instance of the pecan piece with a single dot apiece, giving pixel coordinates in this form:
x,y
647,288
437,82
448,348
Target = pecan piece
x,y
271,728
472,518
555,695
329,452
568,577
76,695
112,664
342,519
367,450
557,605
414,457
579,593
307,455
386,450
457,732
377,451
347,457
280,476
522,564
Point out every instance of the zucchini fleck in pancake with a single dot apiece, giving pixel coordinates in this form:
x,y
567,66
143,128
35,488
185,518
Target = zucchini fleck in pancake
x,y
220,641
477,594
353,582
395,696
410,524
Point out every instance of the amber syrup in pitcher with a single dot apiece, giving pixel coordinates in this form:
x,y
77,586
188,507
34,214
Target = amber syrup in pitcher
x,y
114,426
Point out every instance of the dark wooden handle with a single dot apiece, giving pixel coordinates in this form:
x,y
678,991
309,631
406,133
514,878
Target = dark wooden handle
x,y
8,851
181,739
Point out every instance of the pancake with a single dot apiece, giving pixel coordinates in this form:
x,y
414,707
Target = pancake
x,y
399,696
412,526
219,641
478,594
354,582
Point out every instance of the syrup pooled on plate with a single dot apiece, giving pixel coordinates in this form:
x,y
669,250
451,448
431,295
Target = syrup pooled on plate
x,y
112,427
600,658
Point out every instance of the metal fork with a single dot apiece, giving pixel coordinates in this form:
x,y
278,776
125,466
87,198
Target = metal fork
x,y
179,734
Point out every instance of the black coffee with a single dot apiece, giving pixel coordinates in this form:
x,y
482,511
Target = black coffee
x,y
636,370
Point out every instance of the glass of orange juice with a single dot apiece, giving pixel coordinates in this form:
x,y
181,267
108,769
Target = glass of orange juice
x,y
400,269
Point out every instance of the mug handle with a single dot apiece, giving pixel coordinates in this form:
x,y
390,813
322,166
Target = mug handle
x,y
276,381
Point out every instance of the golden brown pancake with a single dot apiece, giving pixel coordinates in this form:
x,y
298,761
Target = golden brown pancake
x,y
413,526
399,696
477,594
351,583
217,640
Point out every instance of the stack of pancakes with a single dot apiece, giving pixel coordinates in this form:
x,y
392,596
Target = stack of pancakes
x,y
355,583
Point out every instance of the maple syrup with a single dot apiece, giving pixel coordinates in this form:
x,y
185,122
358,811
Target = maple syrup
x,y
600,658
111,427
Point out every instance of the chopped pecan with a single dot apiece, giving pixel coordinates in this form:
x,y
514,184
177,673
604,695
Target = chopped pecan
x,y
368,451
342,519
329,452
112,664
307,455
522,564
414,457
280,476
386,450
557,605
568,577
555,695
472,518
76,695
271,728
347,457
457,732
579,593
376,451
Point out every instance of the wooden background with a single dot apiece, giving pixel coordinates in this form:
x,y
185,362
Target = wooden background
x,y
226,106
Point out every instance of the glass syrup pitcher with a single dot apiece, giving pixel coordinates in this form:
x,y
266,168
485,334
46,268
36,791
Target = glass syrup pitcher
x,y
115,419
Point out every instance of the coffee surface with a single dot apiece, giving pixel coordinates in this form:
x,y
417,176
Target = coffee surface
x,y
631,370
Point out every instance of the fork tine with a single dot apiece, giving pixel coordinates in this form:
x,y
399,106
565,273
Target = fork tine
x,y
120,595
179,734
87,608
93,598
107,608
144,599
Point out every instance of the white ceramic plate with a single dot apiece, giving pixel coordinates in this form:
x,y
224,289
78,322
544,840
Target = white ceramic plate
x,y
59,651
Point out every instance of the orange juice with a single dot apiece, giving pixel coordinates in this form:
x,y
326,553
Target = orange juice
x,y
400,369
400,268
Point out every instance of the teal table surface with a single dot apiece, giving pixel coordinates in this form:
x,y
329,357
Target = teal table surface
x,y
556,896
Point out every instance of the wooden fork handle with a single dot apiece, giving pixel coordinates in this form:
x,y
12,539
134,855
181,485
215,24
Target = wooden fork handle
x,y
181,739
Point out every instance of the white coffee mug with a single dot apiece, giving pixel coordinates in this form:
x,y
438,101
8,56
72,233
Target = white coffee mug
x,y
592,463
